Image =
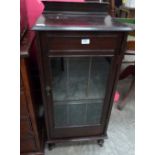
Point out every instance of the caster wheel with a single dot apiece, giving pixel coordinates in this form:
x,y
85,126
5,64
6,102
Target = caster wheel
x,y
51,146
100,142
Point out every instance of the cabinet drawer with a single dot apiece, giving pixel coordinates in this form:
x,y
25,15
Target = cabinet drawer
x,y
27,145
82,43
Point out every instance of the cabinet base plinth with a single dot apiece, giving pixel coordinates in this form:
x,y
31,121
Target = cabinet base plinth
x,y
100,140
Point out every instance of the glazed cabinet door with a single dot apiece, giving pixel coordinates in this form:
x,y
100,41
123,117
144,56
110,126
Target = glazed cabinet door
x,y
76,89
78,71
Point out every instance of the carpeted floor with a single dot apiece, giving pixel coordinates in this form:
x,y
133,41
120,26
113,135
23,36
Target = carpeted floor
x,y
121,133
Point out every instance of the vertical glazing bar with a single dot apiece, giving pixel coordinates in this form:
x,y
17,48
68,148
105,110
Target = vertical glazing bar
x,y
67,76
86,113
89,76
67,87
67,114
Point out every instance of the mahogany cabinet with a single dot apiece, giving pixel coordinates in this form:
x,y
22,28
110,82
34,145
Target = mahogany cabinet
x,y
79,57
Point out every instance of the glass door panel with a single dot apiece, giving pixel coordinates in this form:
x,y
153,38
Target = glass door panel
x,y
78,87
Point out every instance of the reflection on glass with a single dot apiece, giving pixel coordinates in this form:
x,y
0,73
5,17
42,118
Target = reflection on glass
x,y
78,88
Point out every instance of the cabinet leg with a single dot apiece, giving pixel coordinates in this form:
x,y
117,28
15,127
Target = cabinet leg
x,y
51,146
100,142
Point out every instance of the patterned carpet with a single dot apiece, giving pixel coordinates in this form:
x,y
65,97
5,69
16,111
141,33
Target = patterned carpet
x,y
121,134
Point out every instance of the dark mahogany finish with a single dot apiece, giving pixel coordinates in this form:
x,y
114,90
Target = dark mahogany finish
x,y
75,21
94,6
31,124
31,135
59,35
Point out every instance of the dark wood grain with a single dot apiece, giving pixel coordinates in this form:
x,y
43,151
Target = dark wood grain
x,y
30,138
73,21
28,145
78,131
76,139
26,43
107,42
59,35
113,80
77,7
23,107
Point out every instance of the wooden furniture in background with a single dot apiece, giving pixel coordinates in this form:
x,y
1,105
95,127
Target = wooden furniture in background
x,y
128,61
31,124
31,121
126,12
112,8
79,57
129,70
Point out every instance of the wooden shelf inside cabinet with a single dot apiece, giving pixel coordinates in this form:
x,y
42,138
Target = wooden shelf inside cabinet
x,y
30,134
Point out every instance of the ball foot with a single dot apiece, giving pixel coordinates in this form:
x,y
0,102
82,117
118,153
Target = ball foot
x,y
100,142
51,146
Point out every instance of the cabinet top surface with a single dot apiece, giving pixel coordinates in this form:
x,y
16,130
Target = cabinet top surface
x,y
72,21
